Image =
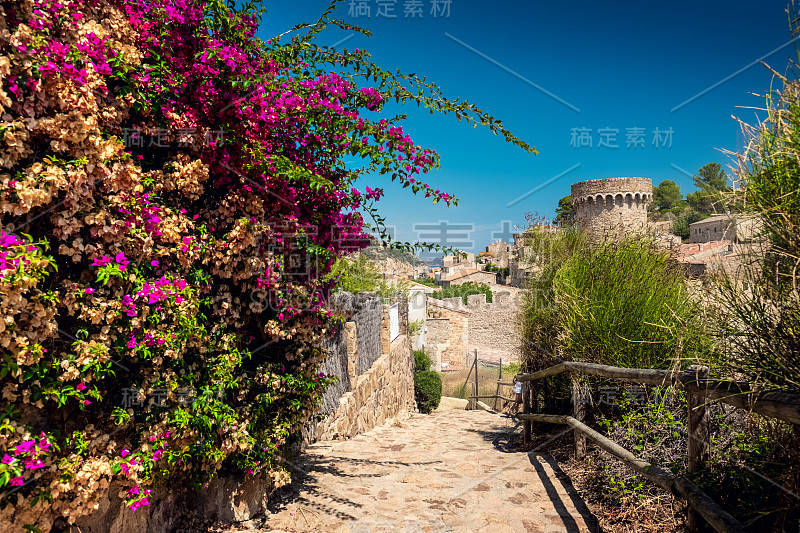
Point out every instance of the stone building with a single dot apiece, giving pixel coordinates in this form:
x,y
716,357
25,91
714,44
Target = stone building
x,y
611,207
473,275
451,260
502,253
734,228
528,257
455,330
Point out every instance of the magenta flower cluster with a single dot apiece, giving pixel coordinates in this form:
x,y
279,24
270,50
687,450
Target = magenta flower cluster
x,y
12,252
26,457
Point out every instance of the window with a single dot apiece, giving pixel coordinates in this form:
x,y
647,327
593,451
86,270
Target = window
x,y
394,321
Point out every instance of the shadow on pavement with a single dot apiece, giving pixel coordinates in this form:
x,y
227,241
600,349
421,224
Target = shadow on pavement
x,y
570,524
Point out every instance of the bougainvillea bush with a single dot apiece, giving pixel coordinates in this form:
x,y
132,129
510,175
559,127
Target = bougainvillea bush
x,y
173,191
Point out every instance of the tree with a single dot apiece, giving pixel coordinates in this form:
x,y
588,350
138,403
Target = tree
x,y
712,177
681,226
667,195
712,183
565,212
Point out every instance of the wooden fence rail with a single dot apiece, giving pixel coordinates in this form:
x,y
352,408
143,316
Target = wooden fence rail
x,y
699,390
780,405
715,515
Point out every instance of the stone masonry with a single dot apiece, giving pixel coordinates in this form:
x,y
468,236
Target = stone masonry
x,y
611,207
377,390
455,328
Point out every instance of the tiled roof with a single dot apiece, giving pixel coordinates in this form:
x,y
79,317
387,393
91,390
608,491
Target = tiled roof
x,y
466,273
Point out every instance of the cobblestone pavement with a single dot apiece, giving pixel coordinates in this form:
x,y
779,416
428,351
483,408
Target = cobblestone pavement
x,y
450,471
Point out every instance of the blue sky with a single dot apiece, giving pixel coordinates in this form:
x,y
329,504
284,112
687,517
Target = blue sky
x,y
560,75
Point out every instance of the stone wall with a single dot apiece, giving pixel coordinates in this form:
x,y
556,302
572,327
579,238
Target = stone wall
x,y
383,392
455,328
611,207
448,332
494,325
438,339
175,509
336,365
378,371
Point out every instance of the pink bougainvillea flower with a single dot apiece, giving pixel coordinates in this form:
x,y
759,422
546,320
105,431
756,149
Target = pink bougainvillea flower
x,y
17,481
33,464
81,387
25,447
7,459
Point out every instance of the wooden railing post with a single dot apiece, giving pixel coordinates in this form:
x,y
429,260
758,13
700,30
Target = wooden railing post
x,y
579,414
698,444
526,409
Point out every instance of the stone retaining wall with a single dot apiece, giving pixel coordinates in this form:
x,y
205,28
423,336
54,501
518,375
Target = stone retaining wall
x,y
226,499
381,393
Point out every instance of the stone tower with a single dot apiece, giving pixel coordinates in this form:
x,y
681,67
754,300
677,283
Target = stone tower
x,y
611,207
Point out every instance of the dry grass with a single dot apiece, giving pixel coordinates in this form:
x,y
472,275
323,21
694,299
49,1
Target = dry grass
x,y
453,382
656,511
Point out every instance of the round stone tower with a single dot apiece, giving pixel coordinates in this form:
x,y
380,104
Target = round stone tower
x,y
611,207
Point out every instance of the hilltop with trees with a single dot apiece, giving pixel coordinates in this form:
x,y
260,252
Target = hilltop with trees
x,y
709,199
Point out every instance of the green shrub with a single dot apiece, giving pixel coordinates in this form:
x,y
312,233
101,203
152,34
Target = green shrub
x,y
427,390
761,326
421,361
359,274
464,290
541,323
627,304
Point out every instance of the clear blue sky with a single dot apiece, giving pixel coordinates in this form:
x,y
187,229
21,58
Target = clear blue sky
x,y
555,73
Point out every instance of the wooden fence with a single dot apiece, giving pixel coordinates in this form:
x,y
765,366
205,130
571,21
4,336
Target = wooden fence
x,y
474,396
699,390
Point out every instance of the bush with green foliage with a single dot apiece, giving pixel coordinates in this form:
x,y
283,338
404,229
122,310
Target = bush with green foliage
x,y
421,361
464,290
359,274
430,282
760,326
427,390
652,426
427,383
503,271
627,304
540,319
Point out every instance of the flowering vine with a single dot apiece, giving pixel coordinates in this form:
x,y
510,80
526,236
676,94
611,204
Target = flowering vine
x,y
173,191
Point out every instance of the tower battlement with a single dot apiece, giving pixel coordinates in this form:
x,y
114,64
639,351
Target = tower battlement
x,y
611,207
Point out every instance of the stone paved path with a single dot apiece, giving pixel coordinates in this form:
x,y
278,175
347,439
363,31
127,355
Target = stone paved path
x,y
449,471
